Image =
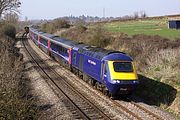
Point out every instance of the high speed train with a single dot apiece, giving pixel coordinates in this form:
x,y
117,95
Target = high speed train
x,y
112,72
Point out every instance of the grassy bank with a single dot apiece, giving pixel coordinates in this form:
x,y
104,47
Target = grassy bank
x,y
15,102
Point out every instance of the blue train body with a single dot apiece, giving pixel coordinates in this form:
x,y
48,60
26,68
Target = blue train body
x,y
114,71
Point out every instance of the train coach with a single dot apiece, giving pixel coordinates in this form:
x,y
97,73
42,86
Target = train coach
x,y
112,72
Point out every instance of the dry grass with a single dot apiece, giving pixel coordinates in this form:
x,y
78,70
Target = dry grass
x,y
55,25
15,102
164,66
96,36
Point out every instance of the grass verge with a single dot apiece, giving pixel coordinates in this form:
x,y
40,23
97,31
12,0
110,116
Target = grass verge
x,y
15,101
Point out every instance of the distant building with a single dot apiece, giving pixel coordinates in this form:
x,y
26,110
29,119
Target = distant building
x,y
174,24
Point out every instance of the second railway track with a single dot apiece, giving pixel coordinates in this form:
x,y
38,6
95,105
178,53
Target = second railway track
x,y
81,107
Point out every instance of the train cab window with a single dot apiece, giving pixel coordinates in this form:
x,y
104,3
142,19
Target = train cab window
x,y
123,67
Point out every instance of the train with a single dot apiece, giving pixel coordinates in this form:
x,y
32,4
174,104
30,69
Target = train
x,y
112,72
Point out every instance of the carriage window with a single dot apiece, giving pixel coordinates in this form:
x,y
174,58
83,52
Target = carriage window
x,y
44,41
53,46
58,48
35,37
74,57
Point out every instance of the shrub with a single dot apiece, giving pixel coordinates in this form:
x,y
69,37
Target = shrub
x,y
61,23
81,27
51,27
9,30
48,27
99,37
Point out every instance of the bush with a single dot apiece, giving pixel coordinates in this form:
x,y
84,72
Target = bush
x,y
48,27
61,23
55,25
9,30
81,25
99,37
82,28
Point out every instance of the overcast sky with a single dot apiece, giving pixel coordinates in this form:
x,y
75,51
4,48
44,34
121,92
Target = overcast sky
x,y
50,9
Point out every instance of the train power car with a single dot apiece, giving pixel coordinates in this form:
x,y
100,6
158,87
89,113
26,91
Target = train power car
x,y
112,72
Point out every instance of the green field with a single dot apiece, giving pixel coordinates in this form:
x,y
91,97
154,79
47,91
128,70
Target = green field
x,y
147,27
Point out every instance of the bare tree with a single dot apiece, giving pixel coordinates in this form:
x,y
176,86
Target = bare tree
x,y
9,6
11,18
136,15
143,14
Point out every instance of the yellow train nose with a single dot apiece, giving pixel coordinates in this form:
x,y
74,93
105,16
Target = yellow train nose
x,y
122,70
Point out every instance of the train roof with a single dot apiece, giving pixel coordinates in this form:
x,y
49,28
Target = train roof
x,y
64,41
48,35
56,39
38,31
79,46
96,52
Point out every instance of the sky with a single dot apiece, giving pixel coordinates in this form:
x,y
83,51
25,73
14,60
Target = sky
x,y
50,9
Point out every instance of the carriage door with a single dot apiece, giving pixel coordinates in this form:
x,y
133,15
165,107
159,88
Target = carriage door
x,y
69,54
81,63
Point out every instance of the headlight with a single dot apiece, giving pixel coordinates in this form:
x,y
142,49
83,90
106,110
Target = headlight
x,y
116,81
125,82
136,81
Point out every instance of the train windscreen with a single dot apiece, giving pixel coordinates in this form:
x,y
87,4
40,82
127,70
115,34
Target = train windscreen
x,y
123,67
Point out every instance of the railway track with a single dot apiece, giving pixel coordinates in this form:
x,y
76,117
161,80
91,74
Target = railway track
x,y
147,111
139,112
87,110
79,105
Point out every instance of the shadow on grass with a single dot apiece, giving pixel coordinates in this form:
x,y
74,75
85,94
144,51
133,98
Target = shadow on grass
x,y
154,92
43,107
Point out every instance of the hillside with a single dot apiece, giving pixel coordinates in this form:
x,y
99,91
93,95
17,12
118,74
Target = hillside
x,y
14,87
